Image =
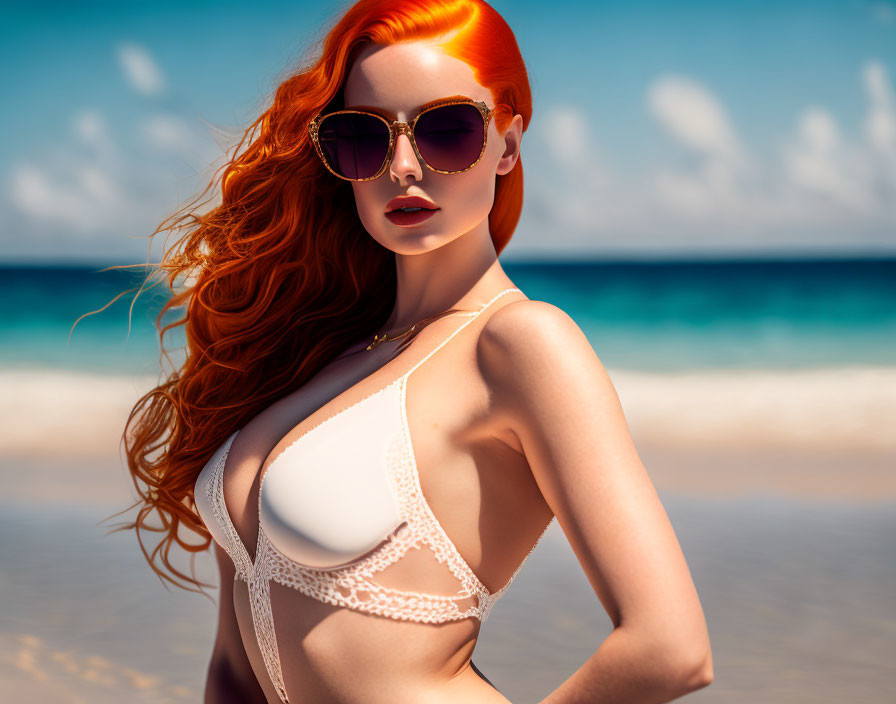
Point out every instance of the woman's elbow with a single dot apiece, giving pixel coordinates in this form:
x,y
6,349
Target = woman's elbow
x,y
695,672
680,669
686,656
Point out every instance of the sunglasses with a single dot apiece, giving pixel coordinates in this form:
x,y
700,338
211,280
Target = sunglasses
x,y
448,137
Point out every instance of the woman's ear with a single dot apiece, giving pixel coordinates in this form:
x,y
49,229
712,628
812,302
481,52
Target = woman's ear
x,y
512,141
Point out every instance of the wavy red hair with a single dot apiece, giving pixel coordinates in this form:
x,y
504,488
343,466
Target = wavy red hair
x,y
280,276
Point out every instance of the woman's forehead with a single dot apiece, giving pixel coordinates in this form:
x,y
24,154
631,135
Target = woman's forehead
x,y
400,79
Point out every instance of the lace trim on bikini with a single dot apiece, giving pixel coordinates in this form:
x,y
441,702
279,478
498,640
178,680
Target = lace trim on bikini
x,y
215,493
253,574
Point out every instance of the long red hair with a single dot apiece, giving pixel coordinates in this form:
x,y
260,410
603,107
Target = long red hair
x,y
281,276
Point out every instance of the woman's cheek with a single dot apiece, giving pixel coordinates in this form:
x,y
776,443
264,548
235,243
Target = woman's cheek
x,y
478,198
368,212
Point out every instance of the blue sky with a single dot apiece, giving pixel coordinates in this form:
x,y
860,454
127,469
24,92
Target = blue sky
x,y
659,128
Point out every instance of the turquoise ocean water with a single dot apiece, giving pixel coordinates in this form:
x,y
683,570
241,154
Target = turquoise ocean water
x,y
669,316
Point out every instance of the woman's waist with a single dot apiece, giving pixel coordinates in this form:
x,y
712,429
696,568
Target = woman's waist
x,y
332,644
366,686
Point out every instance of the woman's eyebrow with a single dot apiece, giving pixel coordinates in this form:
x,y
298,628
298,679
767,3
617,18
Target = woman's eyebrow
x,y
385,113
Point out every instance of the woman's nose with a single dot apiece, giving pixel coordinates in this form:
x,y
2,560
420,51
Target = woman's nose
x,y
404,161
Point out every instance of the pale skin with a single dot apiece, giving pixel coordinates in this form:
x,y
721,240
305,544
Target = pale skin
x,y
528,427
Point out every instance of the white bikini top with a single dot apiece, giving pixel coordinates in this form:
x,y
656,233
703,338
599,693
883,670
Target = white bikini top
x,y
332,514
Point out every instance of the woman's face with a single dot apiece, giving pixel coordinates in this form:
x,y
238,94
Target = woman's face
x,y
398,79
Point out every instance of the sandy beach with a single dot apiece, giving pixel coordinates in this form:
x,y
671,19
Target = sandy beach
x,y
781,488
813,433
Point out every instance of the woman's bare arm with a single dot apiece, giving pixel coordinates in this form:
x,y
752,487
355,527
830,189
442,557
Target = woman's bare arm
x,y
230,677
557,398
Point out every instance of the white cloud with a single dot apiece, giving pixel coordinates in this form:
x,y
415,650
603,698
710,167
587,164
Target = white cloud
x,y
826,185
140,69
571,140
818,161
93,194
811,162
575,190
170,132
685,192
718,185
880,126
76,190
92,131
80,203
100,190
693,116
855,176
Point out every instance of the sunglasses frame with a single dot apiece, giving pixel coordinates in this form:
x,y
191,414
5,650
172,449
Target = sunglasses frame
x,y
398,127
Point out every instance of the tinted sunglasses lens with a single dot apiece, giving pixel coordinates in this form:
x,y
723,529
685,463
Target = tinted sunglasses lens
x,y
450,137
354,145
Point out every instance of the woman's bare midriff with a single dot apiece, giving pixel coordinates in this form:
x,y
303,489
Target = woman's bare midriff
x,y
331,654
480,489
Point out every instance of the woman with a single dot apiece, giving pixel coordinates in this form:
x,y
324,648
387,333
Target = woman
x,y
373,424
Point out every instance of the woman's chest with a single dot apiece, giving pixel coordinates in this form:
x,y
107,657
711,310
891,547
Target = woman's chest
x,y
337,483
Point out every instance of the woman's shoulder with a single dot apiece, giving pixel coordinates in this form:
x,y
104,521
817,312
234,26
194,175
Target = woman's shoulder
x,y
529,324
528,347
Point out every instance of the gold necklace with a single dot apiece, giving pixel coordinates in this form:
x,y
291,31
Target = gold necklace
x,y
377,339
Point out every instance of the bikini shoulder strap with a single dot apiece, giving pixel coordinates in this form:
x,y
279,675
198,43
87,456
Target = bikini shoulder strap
x,y
473,317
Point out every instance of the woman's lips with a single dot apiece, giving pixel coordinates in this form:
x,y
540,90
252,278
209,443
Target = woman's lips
x,y
399,217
